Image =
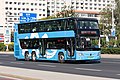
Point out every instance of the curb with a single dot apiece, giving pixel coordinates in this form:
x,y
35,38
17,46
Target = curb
x,y
30,74
117,56
7,52
16,77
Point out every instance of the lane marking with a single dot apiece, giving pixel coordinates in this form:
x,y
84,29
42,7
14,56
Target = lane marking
x,y
116,60
50,63
88,69
16,63
1,63
46,65
112,62
89,64
4,55
118,74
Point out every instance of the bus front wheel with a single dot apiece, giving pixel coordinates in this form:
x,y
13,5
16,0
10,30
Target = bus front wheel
x,y
61,58
27,58
16,59
34,57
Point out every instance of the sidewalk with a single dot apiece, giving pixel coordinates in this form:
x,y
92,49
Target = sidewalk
x,y
29,74
6,77
117,56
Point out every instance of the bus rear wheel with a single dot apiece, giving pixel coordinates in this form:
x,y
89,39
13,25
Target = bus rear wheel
x,y
61,58
27,58
34,57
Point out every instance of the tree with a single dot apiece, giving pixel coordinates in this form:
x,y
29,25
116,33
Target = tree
x,y
106,20
67,11
117,12
117,18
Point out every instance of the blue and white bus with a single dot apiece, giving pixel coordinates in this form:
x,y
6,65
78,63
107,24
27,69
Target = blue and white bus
x,y
58,39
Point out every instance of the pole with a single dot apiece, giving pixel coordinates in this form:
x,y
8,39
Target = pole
x,y
112,19
99,42
5,34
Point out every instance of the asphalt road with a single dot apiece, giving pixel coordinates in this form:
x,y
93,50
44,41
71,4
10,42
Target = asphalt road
x,y
109,67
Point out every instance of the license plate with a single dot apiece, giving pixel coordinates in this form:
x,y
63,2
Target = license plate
x,y
90,56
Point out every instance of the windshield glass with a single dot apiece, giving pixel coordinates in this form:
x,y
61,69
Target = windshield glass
x,y
87,25
87,42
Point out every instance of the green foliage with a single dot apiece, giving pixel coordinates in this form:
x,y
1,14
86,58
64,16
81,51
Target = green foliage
x,y
118,43
2,47
117,13
110,50
11,47
117,18
95,42
105,20
66,12
49,17
103,42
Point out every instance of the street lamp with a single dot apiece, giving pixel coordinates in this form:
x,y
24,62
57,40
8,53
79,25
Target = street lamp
x,y
7,32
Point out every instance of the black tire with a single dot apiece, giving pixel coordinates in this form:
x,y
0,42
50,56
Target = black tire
x,y
34,57
16,59
61,58
98,61
27,58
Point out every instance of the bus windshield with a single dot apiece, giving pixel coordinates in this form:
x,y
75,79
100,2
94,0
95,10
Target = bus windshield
x,y
87,43
87,24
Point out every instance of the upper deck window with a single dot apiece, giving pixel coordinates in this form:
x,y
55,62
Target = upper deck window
x,y
87,24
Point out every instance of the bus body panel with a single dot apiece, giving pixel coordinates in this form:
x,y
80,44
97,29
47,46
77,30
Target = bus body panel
x,y
88,55
50,54
57,34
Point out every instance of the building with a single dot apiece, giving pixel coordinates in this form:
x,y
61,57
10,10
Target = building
x,y
55,6
10,9
88,5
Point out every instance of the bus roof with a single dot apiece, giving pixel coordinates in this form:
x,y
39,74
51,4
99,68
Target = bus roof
x,y
79,18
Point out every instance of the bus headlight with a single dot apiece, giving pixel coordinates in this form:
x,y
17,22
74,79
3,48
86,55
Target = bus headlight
x,y
81,54
99,54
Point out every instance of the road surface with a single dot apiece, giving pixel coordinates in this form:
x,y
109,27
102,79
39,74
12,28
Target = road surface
x,y
108,68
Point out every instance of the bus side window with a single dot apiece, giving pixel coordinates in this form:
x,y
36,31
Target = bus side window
x,y
70,24
49,26
63,24
42,26
59,26
38,28
29,28
45,26
54,25
34,29
21,28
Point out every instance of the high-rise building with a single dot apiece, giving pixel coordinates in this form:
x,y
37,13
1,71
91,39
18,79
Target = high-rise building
x,y
88,5
10,9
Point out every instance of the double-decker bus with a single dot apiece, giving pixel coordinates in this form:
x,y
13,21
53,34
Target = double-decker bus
x,y
58,39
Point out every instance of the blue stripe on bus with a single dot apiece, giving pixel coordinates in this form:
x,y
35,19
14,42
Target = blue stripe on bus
x,y
56,34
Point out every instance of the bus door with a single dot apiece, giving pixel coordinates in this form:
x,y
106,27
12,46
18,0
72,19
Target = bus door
x,y
70,48
42,47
